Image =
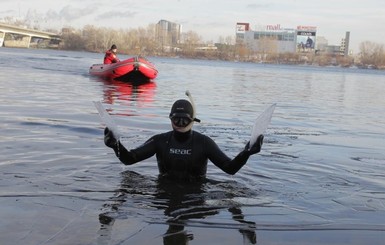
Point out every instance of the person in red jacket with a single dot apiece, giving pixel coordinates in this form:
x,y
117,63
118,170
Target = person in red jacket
x,y
110,56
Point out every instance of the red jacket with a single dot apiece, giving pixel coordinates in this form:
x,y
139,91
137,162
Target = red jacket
x,y
110,57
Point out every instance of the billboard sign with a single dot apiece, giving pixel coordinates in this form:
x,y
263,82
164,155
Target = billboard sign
x,y
306,36
242,27
276,27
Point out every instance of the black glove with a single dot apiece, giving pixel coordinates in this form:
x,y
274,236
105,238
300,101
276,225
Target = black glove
x,y
109,138
256,147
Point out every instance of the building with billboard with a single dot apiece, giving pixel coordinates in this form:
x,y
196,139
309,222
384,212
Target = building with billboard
x,y
275,39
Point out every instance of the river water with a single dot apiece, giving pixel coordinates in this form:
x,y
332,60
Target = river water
x,y
319,179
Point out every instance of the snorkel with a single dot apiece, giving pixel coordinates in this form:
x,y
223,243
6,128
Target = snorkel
x,y
193,105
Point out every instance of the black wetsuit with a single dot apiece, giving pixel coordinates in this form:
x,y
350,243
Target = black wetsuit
x,y
182,155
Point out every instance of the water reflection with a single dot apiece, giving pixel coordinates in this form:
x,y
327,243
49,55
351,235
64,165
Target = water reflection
x,y
141,93
179,202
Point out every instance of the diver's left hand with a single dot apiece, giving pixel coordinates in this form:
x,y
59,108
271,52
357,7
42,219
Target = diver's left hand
x,y
256,147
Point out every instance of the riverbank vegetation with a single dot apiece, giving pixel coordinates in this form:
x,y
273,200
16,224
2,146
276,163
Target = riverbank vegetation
x,y
143,41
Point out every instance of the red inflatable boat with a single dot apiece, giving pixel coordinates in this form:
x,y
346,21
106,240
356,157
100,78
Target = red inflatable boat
x,y
130,70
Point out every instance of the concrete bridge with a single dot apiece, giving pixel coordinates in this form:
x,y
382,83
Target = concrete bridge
x,y
14,36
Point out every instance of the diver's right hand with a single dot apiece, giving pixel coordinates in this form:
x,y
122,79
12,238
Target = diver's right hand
x,y
109,138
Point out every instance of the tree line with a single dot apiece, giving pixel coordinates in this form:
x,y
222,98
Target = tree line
x,y
144,41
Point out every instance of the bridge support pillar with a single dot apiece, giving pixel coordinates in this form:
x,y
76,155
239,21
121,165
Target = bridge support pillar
x,y
27,40
2,35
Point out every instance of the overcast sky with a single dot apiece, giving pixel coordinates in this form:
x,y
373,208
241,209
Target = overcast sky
x,y
211,19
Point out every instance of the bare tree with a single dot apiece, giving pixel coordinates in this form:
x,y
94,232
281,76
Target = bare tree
x,y
190,41
267,46
372,54
73,40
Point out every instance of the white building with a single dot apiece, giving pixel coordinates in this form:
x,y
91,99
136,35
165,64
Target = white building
x,y
275,39
168,33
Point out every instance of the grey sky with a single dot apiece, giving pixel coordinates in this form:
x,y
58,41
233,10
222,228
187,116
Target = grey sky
x,y
211,18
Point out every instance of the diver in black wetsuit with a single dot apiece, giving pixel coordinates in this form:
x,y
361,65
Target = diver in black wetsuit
x,y
182,153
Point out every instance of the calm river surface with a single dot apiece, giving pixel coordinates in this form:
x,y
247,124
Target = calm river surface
x,y
319,179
